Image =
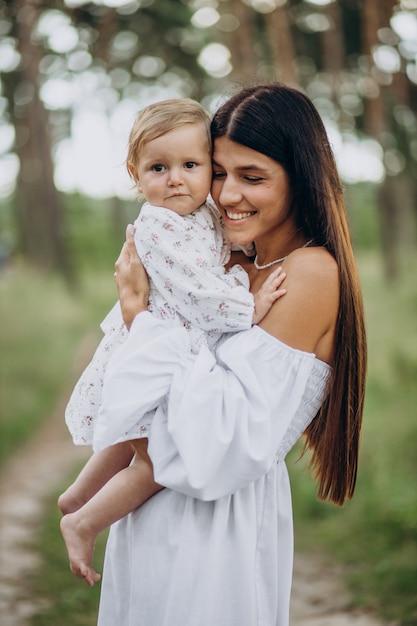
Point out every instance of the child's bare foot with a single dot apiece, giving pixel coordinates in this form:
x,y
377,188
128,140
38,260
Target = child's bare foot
x,y
80,547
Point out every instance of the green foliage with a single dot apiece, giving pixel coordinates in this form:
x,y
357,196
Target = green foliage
x,y
376,533
362,209
96,231
41,321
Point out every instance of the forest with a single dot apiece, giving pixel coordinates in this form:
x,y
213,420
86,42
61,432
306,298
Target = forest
x,y
72,75
62,60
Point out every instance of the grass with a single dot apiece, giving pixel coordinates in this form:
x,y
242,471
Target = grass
x,y
375,535
42,325
64,599
41,321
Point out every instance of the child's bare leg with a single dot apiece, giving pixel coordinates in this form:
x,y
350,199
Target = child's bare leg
x,y
123,493
100,467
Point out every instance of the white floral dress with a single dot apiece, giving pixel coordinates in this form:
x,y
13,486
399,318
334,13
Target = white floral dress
x,y
184,258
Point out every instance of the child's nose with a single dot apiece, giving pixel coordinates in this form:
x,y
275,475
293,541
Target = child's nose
x,y
175,176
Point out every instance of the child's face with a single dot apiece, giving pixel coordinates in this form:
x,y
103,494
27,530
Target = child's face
x,y
174,170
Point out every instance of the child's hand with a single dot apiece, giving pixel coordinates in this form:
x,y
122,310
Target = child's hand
x,y
268,293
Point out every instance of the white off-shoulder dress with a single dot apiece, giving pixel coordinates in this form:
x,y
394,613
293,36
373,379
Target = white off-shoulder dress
x,y
215,548
184,257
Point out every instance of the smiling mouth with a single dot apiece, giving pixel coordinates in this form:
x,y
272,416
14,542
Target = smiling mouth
x,y
239,216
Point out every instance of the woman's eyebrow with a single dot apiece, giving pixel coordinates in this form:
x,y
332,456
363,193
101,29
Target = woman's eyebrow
x,y
245,168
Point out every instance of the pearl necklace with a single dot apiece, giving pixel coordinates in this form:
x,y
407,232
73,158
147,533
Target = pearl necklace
x,y
263,267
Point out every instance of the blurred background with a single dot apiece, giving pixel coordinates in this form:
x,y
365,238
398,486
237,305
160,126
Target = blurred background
x,y
72,76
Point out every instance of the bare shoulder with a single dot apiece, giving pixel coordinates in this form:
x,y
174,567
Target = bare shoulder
x,y
305,318
307,264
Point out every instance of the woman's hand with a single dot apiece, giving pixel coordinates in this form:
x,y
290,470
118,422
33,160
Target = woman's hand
x,y
131,280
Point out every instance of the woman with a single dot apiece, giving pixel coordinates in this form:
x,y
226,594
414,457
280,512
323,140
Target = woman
x,y
215,547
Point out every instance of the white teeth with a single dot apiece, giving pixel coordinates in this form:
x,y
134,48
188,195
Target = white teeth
x,y
238,216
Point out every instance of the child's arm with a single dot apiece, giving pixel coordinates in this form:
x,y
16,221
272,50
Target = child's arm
x,y
268,293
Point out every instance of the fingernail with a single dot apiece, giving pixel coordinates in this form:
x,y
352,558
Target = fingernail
x,y
130,229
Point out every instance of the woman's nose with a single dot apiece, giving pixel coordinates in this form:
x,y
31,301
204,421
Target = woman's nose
x,y
230,193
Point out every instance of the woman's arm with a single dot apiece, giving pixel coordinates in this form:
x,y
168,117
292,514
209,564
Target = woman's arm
x,y
220,421
139,376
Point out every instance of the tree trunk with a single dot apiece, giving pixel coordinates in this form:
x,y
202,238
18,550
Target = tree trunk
x,y
377,124
107,27
241,42
39,208
333,51
281,44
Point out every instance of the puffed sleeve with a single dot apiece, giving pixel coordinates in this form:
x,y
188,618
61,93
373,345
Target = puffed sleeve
x,y
227,418
184,258
138,376
223,418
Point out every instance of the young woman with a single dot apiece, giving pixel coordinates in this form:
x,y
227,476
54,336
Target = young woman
x,y
216,546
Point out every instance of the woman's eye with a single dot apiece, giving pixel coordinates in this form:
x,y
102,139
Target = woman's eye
x,y
158,167
190,165
218,175
253,179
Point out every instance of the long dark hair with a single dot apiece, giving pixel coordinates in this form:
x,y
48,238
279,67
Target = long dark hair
x,y
282,123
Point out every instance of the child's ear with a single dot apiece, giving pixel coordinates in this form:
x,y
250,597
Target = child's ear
x,y
134,175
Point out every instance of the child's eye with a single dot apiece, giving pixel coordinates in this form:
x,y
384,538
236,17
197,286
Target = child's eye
x,y
158,167
190,165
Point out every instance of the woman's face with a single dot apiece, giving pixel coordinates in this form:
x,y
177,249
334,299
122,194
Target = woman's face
x,y
252,192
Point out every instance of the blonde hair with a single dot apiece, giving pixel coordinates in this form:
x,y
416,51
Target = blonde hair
x,y
159,119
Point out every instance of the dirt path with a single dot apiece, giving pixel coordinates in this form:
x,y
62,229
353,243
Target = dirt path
x,y
319,598
25,482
